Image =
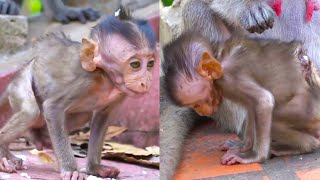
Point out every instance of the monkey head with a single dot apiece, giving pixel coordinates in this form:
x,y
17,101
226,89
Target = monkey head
x,y
190,72
125,49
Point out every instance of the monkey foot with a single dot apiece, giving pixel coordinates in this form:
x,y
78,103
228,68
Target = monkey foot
x,y
104,171
11,165
71,175
240,158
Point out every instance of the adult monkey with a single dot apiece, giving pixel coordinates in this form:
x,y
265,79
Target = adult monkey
x,y
55,9
216,20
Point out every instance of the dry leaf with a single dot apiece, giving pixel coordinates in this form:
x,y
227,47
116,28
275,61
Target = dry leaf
x,y
43,156
147,160
126,149
154,150
113,131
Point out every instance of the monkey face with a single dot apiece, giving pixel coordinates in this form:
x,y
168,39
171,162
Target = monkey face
x,y
128,66
197,94
138,74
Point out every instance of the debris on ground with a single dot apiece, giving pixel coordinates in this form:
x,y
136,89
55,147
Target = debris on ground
x,y
112,150
43,156
25,175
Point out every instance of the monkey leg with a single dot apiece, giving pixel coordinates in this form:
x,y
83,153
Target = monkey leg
x,y
287,141
98,129
296,108
26,112
8,162
54,113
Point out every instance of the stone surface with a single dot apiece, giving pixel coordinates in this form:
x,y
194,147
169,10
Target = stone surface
x,y
13,33
170,23
136,4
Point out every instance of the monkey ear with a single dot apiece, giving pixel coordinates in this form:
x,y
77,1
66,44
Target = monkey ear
x,y
209,67
87,55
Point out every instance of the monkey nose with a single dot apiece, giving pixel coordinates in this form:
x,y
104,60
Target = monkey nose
x,y
145,87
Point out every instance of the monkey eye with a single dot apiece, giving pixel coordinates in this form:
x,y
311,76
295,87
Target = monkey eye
x,y
150,63
135,64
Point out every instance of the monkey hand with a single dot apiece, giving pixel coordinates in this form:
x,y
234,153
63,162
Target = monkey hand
x,y
236,157
9,7
103,171
11,165
67,14
256,17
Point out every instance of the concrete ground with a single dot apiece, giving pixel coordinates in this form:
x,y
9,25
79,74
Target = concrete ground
x,y
201,160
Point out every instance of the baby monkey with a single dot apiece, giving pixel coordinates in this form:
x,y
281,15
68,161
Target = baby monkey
x,y
68,83
266,76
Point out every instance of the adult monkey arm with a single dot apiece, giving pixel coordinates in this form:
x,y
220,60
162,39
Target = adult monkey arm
x,y
175,124
253,15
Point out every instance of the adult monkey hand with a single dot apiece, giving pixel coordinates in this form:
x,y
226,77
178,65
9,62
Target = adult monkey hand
x,y
9,7
65,14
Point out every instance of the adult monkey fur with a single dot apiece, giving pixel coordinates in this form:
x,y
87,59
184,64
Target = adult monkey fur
x,y
79,81
55,9
215,20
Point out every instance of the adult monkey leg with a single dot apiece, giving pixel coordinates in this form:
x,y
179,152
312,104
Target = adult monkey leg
x,y
96,140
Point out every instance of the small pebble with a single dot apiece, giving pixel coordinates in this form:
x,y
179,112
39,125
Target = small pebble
x,y
144,172
94,178
6,176
25,175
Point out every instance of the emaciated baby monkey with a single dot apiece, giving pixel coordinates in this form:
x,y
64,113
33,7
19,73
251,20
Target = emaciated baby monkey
x,y
265,76
68,81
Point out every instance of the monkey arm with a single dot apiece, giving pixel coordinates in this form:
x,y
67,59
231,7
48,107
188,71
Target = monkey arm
x,y
96,139
9,7
65,14
55,119
253,15
199,17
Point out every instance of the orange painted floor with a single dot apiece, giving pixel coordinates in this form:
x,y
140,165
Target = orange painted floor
x,y
201,160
